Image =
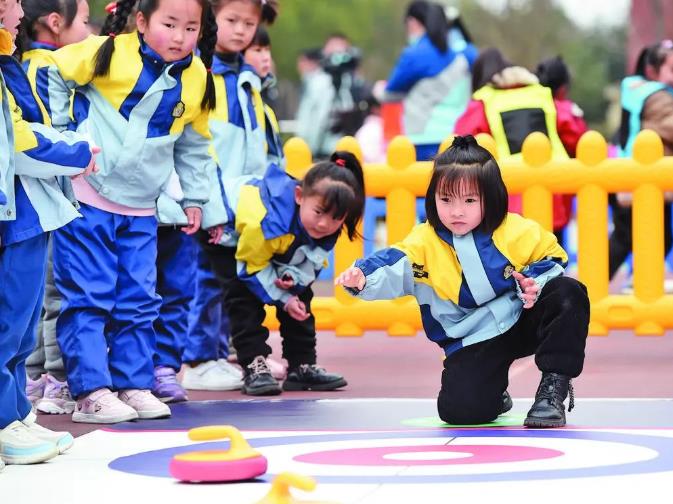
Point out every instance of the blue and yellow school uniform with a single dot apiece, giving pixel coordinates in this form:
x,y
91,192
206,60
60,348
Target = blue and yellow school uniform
x,y
237,128
41,154
464,284
146,116
271,241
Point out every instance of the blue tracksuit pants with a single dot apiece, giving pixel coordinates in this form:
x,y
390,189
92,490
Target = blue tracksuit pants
x,y
105,270
22,277
176,271
208,337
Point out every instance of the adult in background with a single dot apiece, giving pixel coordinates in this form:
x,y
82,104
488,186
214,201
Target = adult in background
x,y
432,76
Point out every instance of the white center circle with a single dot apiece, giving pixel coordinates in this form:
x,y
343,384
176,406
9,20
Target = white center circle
x,y
448,455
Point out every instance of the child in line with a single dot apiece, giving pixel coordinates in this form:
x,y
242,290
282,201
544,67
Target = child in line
x,y
46,26
145,99
37,154
491,289
258,56
647,103
285,230
239,148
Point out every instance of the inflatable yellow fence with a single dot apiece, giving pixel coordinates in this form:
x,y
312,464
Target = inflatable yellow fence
x,y
591,176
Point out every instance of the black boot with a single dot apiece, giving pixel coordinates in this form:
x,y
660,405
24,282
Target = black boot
x,y
506,402
548,409
258,379
312,377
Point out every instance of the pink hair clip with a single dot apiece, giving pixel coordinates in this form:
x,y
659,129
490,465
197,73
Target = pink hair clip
x,y
341,162
111,8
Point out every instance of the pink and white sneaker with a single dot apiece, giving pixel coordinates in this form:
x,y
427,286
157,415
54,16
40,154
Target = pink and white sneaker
x,y
144,403
35,389
57,399
102,407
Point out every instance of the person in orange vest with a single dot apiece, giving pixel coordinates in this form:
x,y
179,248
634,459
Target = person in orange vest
x,y
509,103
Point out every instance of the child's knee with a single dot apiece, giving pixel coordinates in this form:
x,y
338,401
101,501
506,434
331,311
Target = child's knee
x,y
462,410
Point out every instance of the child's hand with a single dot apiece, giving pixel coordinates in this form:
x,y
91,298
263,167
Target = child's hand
x,y
215,233
353,278
285,282
296,309
194,220
91,168
529,288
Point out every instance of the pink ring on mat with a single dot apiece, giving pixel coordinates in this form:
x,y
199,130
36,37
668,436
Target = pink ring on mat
x,y
218,470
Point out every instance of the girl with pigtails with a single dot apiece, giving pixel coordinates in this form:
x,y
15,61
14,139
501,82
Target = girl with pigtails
x,y
144,98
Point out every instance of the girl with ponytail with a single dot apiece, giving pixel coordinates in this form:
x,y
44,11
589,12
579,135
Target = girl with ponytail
x,y
490,288
144,98
283,232
239,144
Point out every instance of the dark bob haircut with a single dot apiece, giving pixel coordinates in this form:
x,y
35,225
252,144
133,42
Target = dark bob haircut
x,y
343,194
467,163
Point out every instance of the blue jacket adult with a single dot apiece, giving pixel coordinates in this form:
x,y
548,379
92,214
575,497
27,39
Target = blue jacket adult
x,y
434,87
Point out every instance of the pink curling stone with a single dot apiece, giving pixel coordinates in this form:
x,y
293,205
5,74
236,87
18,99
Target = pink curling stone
x,y
239,463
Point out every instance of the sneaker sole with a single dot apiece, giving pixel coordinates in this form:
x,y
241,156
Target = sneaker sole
x,y
262,391
212,388
35,458
297,386
53,408
153,415
65,443
97,419
543,424
167,400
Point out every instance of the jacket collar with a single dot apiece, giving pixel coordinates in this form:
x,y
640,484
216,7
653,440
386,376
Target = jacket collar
x,y
150,56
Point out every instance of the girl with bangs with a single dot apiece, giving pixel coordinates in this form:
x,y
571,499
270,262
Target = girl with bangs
x,y
491,290
284,230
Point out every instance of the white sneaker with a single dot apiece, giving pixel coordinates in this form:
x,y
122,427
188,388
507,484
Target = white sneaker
x,y
57,399
102,407
232,369
18,445
62,440
212,375
143,401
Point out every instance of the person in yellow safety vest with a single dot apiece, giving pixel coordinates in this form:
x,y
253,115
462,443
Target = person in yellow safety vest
x,y
509,103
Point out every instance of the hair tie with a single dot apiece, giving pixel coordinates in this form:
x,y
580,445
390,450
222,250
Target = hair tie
x,y
111,8
209,70
112,35
263,3
340,162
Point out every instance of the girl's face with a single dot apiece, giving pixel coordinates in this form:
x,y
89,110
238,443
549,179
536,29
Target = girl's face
x,y
79,29
665,73
12,17
259,57
460,213
236,25
317,223
172,30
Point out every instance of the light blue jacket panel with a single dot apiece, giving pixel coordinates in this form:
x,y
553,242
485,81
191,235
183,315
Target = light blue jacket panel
x,y
434,87
7,200
145,114
635,90
42,156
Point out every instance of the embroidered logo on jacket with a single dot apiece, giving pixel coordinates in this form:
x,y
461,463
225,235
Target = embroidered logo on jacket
x,y
179,109
507,272
418,270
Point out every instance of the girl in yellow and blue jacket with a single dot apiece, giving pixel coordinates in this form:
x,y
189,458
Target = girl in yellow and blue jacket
x,y
37,155
144,98
490,288
258,55
282,232
46,26
237,127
